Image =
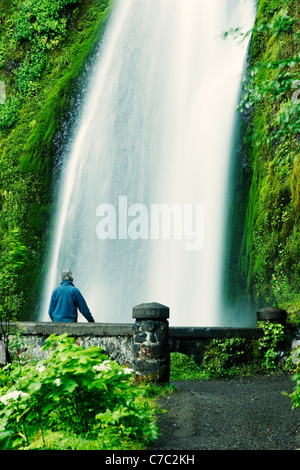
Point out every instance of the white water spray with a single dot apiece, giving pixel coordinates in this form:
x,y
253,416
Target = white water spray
x,y
156,128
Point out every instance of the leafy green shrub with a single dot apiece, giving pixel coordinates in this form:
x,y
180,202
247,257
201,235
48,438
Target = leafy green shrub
x,y
226,357
293,364
269,344
235,356
30,70
42,18
75,390
295,395
42,24
184,367
9,113
238,355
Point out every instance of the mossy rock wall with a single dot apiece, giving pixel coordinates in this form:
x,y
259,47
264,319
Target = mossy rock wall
x,y
44,47
264,262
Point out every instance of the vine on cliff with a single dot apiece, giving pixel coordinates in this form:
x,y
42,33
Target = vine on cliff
x,y
270,104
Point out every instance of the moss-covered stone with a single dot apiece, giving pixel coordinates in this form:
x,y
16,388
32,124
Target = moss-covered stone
x,y
269,256
27,136
262,262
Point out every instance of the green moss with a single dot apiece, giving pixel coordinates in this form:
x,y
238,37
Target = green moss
x,y
268,257
30,119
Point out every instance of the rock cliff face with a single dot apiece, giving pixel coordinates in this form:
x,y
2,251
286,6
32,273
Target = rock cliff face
x,y
44,49
265,257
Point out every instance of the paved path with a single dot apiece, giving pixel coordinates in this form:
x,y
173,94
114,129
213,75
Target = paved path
x,y
248,413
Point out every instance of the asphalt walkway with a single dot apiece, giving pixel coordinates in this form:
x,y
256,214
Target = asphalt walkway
x,y
248,413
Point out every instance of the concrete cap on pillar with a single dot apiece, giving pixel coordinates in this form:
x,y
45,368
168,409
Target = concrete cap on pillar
x,y
274,314
151,311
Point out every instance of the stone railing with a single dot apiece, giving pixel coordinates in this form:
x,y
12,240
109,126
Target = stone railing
x,y
145,345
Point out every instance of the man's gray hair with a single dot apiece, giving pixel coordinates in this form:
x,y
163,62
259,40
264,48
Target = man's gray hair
x,y
67,275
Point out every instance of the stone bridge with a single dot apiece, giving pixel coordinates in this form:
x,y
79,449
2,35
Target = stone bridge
x,y
144,345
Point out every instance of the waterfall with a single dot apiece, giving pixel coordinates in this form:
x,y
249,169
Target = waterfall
x,y
140,211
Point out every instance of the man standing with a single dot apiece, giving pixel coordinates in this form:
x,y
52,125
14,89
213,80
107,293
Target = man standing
x,y
65,301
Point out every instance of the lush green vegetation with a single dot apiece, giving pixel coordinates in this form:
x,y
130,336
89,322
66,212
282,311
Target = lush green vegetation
x,y
239,357
44,46
269,169
295,396
76,398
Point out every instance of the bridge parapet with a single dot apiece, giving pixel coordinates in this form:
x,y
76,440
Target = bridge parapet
x,y
144,345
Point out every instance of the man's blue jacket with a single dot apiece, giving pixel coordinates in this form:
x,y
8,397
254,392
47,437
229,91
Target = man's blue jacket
x,y
65,300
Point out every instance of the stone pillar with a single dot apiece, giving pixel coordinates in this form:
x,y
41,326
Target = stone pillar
x,y
151,354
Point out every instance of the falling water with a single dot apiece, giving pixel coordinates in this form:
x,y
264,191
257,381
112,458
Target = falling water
x,y
156,128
